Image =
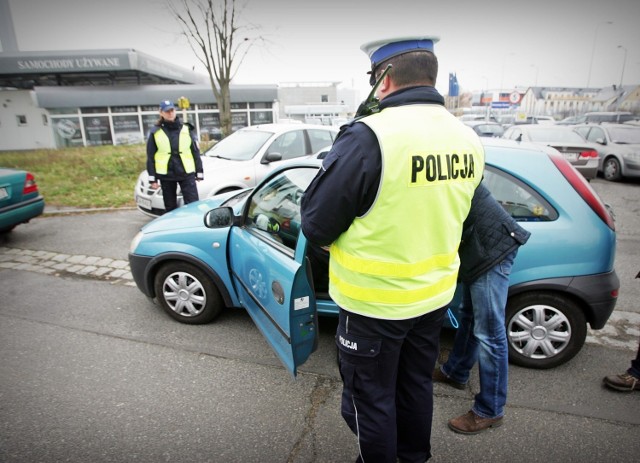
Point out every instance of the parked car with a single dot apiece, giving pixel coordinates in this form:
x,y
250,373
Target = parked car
x,y
20,200
242,160
543,120
245,250
618,146
617,117
575,149
486,128
572,120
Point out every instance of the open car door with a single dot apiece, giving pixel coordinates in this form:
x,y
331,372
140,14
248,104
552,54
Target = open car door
x,y
270,270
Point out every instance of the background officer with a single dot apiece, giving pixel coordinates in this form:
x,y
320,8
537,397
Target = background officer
x,y
173,157
390,199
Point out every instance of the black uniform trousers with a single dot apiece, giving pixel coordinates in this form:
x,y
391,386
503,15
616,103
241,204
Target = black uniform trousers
x,y
387,373
170,191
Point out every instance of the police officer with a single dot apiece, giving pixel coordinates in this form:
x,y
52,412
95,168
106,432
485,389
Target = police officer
x,y
390,200
173,157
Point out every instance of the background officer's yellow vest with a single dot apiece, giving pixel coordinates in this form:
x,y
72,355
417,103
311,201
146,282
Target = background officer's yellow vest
x,y
164,151
400,260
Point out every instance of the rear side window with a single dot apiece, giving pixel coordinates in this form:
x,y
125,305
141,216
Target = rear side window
x,y
517,198
320,139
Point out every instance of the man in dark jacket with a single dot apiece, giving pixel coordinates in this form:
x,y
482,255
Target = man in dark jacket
x,y
490,242
173,157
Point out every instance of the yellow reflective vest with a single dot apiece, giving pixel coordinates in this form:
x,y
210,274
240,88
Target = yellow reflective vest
x,y
163,154
400,260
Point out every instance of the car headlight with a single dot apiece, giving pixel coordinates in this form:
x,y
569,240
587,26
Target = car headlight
x,y
135,241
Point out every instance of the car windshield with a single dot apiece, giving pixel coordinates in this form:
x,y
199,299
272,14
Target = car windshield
x,y
555,134
626,135
239,146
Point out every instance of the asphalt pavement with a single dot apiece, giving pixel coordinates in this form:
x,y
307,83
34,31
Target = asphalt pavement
x,y
92,371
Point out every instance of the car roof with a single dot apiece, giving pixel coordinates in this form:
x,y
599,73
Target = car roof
x,y
540,127
285,127
483,122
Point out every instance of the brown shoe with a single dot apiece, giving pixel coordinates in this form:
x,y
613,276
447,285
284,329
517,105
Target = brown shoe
x,y
470,423
624,382
440,377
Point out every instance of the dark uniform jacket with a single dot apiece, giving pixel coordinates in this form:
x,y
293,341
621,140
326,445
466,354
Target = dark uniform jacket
x,y
488,235
351,187
175,169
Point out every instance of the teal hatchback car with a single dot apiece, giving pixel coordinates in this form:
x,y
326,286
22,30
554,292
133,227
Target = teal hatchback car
x,y
245,250
20,200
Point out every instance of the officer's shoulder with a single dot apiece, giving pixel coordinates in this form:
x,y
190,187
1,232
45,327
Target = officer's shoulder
x,y
190,125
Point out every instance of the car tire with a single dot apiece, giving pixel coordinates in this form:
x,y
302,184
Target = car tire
x,y
611,169
187,294
544,329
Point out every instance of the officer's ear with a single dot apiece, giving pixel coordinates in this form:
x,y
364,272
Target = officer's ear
x,y
386,86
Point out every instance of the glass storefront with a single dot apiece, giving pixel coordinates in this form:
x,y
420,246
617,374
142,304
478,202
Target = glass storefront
x,y
122,125
67,131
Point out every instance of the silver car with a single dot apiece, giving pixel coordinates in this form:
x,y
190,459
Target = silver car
x,y
575,149
618,146
242,160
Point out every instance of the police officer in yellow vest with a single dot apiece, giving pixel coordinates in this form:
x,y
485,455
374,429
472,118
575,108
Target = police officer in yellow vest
x,y
173,157
390,200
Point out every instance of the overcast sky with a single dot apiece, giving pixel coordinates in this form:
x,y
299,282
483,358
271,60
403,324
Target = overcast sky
x,y
489,44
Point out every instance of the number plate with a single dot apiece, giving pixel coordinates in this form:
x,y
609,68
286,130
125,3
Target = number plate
x,y
571,157
144,203
3,193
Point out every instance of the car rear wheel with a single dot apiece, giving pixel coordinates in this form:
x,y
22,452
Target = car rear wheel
x,y
611,170
544,330
187,294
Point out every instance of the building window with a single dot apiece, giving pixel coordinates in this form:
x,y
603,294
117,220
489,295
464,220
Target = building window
x,y
324,98
45,120
22,120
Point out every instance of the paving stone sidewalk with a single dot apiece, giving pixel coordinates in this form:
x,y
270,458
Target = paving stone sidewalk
x,y
57,264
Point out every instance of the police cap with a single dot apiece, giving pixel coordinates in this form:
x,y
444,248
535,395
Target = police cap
x,y
381,50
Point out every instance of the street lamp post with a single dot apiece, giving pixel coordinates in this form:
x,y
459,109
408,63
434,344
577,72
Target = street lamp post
x,y
593,50
624,61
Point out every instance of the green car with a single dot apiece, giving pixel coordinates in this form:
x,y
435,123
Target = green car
x,y
20,200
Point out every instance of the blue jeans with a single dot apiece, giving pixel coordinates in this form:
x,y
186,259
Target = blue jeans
x,y
482,337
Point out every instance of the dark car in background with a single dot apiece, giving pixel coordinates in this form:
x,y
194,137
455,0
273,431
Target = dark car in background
x,y
20,200
617,117
618,147
579,152
486,128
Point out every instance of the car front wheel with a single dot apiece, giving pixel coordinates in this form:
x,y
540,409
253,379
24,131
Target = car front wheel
x,y
187,294
611,170
544,329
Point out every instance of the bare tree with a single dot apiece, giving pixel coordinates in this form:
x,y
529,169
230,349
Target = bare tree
x,y
219,43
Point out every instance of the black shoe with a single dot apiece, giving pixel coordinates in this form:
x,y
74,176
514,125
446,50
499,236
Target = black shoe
x,y
440,377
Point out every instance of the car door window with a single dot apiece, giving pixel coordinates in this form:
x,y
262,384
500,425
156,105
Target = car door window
x,y
274,209
595,134
517,198
319,139
584,131
290,145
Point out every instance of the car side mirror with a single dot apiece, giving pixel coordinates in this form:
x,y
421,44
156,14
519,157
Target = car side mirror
x,y
271,157
601,141
519,138
220,217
